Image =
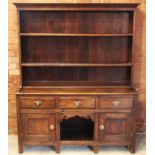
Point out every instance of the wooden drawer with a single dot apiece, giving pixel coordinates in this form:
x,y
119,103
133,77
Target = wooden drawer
x,y
37,102
116,102
76,102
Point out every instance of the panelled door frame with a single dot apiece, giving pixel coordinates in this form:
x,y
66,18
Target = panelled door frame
x,y
103,117
25,126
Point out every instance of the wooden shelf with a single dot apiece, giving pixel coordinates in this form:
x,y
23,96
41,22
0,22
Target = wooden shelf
x,y
74,35
78,91
74,64
76,83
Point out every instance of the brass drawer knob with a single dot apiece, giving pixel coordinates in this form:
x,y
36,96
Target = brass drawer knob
x,y
101,127
51,127
77,103
37,103
116,103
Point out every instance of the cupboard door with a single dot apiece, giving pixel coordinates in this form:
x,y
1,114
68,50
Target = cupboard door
x,y
115,128
38,128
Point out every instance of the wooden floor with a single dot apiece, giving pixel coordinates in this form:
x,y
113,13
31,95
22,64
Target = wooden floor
x,y
140,149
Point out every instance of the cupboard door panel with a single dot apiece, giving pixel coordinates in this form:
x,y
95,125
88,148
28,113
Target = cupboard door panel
x,y
115,128
38,127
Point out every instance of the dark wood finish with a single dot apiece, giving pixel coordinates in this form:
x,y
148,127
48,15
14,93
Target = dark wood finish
x,y
105,75
77,64
88,50
76,22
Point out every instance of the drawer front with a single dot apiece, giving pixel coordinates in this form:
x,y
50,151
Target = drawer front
x,y
37,102
76,102
114,102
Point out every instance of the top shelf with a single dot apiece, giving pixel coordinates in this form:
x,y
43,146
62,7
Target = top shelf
x,y
75,35
76,6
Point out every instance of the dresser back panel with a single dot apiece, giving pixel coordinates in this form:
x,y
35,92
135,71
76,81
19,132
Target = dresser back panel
x,y
88,50
76,22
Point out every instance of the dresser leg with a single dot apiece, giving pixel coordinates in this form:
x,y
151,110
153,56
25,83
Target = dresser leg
x,y
132,149
20,148
57,149
128,147
95,149
133,141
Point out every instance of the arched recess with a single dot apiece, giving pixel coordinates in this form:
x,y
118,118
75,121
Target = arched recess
x,y
77,126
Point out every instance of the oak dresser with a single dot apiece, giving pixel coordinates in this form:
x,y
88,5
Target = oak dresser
x,y
77,68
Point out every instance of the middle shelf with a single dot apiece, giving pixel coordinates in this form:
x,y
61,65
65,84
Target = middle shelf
x,y
75,64
76,34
